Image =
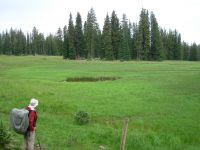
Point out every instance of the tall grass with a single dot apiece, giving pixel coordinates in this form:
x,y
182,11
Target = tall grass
x,y
161,100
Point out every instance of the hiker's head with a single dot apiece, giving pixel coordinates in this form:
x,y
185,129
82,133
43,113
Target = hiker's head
x,y
33,102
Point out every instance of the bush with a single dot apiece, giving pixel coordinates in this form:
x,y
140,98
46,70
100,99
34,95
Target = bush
x,y
5,136
81,118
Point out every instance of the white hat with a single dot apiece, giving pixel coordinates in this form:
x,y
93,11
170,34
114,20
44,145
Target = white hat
x,y
33,102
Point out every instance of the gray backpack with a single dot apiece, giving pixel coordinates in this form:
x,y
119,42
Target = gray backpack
x,y
19,120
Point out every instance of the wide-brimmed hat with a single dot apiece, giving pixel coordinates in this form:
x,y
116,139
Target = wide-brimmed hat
x,y
33,102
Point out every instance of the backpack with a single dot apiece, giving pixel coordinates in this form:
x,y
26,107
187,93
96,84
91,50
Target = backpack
x,y
19,120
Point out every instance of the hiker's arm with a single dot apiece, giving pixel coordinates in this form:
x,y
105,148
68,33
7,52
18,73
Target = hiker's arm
x,y
31,121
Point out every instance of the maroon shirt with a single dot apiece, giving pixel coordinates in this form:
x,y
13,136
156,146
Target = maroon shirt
x,y
32,119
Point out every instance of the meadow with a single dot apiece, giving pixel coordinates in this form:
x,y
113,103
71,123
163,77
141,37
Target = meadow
x,y
160,99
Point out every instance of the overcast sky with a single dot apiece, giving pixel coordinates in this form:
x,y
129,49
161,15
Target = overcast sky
x,y
48,15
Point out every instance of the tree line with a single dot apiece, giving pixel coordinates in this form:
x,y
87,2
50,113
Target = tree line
x,y
118,40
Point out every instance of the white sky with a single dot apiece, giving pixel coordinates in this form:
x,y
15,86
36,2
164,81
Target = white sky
x,y
48,15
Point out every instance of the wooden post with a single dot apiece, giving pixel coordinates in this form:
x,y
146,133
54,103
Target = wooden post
x,y
124,131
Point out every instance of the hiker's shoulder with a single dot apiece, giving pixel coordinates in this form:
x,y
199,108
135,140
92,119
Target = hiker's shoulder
x,y
29,109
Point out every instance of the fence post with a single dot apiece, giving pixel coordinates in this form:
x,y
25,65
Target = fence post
x,y
124,131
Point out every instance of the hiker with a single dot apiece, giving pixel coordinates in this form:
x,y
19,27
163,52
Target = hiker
x,y
29,136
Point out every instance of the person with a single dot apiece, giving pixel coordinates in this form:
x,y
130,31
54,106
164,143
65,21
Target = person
x,y
29,136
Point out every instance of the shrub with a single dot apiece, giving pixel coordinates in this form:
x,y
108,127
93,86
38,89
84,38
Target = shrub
x,y
81,118
5,136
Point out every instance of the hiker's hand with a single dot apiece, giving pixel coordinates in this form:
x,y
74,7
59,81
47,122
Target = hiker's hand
x,y
34,128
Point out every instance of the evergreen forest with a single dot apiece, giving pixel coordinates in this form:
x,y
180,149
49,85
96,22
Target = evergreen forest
x,y
119,39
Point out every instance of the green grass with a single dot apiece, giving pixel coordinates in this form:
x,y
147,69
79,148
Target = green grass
x,y
161,100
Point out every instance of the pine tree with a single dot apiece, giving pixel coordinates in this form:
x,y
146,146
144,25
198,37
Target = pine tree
x,y
7,44
130,27
177,46
17,41
13,39
170,45
163,36
35,41
186,49
21,43
156,51
144,31
71,39
174,45
65,44
198,52
91,33
106,39
135,42
115,34
41,44
98,43
85,38
88,37
124,53
59,41
193,52
79,41
28,47
50,45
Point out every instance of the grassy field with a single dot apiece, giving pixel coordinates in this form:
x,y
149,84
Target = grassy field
x,y
161,100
